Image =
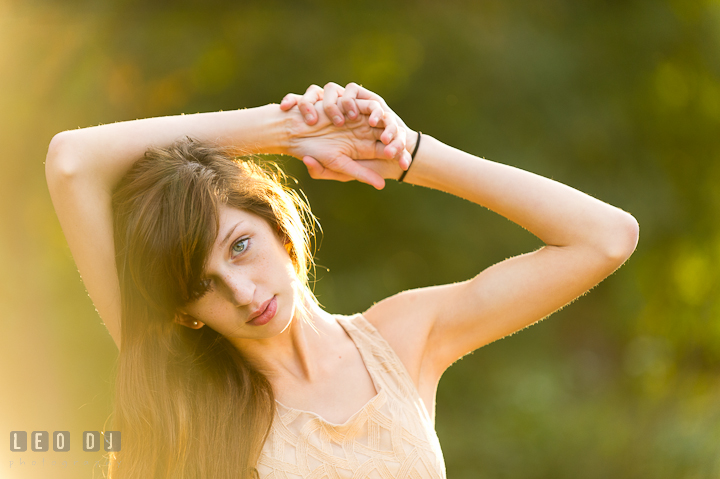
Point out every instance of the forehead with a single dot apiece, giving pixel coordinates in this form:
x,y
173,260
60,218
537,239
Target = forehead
x,y
228,214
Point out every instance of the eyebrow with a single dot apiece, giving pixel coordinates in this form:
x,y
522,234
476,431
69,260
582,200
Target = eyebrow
x,y
227,237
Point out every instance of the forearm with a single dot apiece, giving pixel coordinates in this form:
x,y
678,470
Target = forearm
x,y
555,213
105,153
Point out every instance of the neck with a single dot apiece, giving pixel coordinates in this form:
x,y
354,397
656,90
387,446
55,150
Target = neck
x,y
295,353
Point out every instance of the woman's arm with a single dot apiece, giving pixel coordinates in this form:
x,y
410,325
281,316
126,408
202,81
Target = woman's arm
x,y
586,240
83,166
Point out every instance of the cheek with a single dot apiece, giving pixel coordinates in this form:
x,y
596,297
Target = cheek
x,y
209,311
288,282
282,261
285,274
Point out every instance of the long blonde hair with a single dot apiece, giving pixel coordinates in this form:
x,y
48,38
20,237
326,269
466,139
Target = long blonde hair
x,y
188,404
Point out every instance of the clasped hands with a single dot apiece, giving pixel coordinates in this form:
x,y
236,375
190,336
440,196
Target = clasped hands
x,y
348,134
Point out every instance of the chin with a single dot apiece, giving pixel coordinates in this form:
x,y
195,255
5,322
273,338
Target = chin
x,y
285,314
291,307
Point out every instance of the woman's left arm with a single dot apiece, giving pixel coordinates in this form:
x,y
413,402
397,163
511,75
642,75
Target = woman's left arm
x,y
585,241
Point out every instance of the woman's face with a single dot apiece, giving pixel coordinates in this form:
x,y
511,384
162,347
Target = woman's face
x,y
251,280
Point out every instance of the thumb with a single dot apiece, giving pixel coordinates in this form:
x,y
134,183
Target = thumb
x,y
347,166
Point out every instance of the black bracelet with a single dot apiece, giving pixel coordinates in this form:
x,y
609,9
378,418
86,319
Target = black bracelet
x,y
412,157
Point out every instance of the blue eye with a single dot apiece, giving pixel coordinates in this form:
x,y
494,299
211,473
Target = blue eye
x,y
240,246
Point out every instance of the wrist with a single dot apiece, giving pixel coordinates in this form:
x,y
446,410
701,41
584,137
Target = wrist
x,y
273,130
292,133
411,140
411,146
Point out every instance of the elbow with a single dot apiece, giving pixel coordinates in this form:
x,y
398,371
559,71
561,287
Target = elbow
x,y
622,241
60,163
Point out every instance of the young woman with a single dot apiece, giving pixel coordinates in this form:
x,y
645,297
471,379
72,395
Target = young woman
x,y
197,262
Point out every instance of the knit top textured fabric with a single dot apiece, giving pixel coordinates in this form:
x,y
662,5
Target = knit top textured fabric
x,y
391,437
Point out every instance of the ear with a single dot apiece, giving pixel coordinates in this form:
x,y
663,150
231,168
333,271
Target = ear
x,y
187,320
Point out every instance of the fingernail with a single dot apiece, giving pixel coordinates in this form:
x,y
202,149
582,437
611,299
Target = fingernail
x,y
392,151
351,114
308,117
337,120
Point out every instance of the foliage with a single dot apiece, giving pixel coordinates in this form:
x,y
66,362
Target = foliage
x,y
618,99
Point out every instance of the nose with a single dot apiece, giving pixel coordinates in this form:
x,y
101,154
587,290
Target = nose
x,y
240,289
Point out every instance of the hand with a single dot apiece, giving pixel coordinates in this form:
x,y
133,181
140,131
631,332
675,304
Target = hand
x,y
388,169
330,95
339,103
330,151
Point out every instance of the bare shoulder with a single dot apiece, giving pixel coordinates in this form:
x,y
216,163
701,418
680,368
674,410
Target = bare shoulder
x,y
405,321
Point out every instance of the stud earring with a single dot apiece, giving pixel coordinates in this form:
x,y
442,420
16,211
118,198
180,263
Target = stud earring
x,y
194,323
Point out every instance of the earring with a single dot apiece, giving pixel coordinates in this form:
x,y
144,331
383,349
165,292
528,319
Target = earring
x,y
194,323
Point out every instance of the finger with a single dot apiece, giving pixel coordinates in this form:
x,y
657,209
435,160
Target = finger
x,y
289,101
395,135
376,133
381,152
406,160
396,152
345,165
388,134
365,94
347,101
398,145
391,130
317,171
384,135
362,93
306,104
394,139
377,116
374,110
331,93
389,163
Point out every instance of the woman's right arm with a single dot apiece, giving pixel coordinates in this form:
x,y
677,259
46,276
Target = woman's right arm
x,y
83,166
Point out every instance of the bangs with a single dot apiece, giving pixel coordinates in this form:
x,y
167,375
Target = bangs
x,y
192,225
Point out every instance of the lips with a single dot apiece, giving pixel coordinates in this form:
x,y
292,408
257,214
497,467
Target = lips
x,y
260,310
264,313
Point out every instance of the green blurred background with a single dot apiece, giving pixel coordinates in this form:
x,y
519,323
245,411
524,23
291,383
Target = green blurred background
x,y
620,99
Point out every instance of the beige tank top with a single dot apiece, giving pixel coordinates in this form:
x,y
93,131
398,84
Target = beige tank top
x,y
392,436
